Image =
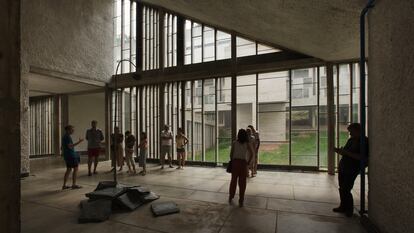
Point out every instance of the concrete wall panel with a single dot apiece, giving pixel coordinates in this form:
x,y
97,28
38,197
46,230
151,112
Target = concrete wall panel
x,y
391,114
69,36
82,110
10,116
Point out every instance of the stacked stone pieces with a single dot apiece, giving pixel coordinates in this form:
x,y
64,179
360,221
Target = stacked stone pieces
x,y
110,196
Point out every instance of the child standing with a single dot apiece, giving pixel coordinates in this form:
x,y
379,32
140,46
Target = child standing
x,y
181,140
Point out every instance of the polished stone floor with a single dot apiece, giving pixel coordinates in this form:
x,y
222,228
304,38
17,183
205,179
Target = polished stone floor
x,y
281,202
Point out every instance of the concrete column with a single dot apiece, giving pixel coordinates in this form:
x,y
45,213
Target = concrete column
x,y
10,116
331,118
183,119
162,105
139,53
390,116
24,127
180,40
161,48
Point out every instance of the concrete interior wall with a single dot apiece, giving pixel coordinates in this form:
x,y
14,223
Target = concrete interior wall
x,y
24,127
82,110
391,114
10,116
73,37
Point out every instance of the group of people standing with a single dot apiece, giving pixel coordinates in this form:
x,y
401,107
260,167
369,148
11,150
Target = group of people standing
x,y
117,150
166,147
95,137
243,157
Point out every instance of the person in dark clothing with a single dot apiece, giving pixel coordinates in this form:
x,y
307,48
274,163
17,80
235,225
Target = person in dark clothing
x,y
72,158
117,151
129,151
349,168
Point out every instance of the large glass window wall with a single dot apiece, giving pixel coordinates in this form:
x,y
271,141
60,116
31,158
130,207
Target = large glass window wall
x,y
288,108
202,43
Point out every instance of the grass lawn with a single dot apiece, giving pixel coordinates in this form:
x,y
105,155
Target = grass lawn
x,y
304,146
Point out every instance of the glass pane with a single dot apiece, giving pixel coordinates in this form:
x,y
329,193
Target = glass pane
x,y
197,122
263,49
246,101
304,148
245,47
210,120
274,88
304,87
175,117
274,138
304,118
323,140
125,65
117,31
197,47
273,122
188,119
208,46
224,118
133,112
126,22
117,58
223,44
187,42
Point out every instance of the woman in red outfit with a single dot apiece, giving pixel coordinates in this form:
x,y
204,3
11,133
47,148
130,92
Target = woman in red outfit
x,y
240,156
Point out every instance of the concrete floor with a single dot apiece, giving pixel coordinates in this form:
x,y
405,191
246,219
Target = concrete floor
x,y
281,202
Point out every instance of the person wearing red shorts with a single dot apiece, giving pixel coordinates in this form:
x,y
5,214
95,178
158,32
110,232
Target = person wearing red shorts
x,y
94,136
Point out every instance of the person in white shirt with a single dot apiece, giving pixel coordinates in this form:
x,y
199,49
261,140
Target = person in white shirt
x,y
166,146
240,156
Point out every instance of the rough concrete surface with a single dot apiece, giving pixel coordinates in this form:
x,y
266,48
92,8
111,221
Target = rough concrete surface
x,y
69,36
391,114
24,127
10,116
326,29
202,196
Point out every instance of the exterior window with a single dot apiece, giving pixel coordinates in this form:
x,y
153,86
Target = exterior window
x,y
41,126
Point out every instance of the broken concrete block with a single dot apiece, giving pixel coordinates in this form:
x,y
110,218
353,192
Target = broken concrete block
x,y
164,208
95,211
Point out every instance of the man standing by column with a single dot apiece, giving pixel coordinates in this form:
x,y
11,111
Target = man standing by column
x,y
349,168
94,136
166,146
